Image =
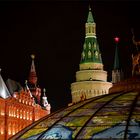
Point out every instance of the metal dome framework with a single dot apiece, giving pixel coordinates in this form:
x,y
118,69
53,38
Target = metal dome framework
x,y
115,115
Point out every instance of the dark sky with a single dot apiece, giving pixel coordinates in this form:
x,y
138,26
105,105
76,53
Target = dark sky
x,y
54,31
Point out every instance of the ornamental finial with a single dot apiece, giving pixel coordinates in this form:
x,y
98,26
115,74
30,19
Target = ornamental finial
x,y
44,90
117,39
32,56
89,8
26,81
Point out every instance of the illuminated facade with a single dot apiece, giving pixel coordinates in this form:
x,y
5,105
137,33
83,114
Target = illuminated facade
x,y
19,109
91,80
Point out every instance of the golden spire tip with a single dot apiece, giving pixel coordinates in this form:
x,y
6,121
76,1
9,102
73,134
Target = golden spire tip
x,y
89,8
32,56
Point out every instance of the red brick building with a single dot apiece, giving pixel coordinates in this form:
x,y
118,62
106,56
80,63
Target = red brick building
x,y
21,108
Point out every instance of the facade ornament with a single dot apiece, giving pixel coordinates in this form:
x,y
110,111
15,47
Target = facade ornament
x,y
135,57
136,64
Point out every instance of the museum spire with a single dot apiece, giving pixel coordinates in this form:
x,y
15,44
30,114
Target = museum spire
x,y
32,74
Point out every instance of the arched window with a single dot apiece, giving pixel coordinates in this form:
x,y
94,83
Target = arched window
x,y
89,54
89,45
89,29
21,114
9,128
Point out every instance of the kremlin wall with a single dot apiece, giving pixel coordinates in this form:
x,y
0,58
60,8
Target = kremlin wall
x,y
20,108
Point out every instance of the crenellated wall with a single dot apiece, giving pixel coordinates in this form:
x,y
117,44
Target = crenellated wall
x,y
91,75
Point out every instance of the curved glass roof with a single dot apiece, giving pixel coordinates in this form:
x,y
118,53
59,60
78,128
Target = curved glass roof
x,y
115,115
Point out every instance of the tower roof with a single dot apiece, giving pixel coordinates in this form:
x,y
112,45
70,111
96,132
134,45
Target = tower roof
x,y
116,59
91,52
4,93
44,92
32,74
90,17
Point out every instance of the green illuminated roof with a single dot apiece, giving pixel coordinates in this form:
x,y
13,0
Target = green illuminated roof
x,y
90,17
116,60
115,115
91,52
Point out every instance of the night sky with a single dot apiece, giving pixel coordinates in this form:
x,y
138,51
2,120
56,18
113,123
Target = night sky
x,y
54,31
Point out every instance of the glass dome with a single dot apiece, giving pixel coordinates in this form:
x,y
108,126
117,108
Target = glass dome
x,y
115,115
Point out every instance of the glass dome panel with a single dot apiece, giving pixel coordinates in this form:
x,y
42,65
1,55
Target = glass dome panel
x,y
108,116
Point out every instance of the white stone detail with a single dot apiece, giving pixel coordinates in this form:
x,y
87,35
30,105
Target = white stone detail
x,y
85,75
89,89
91,65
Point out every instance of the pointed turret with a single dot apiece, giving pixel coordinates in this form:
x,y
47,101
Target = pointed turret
x,y
32,75
29,92
91,56
116,59
4,93
27,88
44,98
90,17
34,88
45,101
116,72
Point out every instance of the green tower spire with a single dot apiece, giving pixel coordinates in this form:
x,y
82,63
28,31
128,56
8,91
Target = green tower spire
x,y
90,17
91,53
117,73
116,59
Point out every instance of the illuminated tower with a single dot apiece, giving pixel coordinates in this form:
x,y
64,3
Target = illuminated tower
x,y
116,72
91,80
44,99
32,74
45,103
36,92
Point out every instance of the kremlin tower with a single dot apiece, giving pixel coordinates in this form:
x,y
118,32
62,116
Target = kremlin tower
x,y
117,74
33,82
132,83
91,80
